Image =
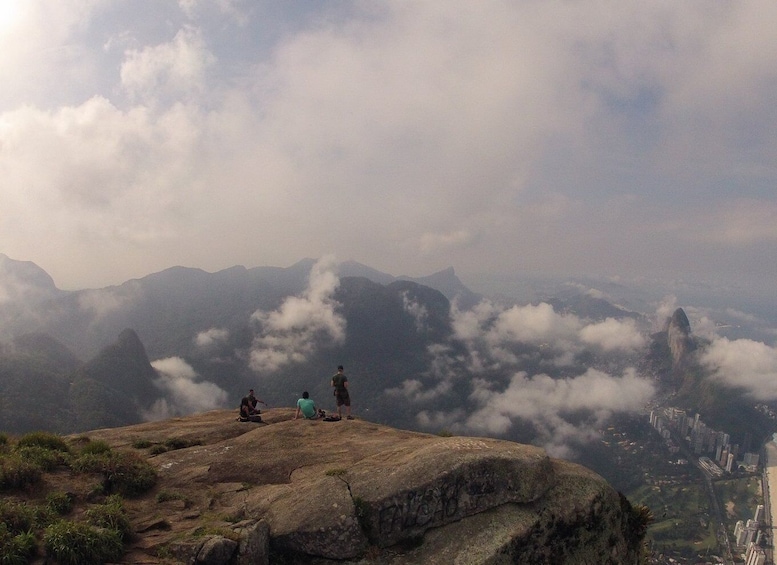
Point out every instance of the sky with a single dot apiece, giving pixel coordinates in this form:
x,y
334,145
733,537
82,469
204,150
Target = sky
x,y
512,137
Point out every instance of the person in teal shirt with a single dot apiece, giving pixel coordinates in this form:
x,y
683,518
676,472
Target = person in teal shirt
x,y
306,407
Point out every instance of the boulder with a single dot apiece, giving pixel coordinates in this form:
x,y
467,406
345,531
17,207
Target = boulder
x,y
301,491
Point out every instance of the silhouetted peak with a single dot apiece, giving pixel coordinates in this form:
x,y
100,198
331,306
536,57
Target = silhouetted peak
x,y
130,342
680,321
681,343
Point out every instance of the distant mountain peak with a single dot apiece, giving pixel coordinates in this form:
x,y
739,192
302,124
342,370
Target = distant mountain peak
x,y
24,281
679,337
680,321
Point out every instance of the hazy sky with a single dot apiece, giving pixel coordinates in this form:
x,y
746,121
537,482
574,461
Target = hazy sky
x,y
524,137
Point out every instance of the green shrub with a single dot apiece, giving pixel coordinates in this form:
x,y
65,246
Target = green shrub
x,y
43,439
97,447
43,457
3,439
158,449
141,444
123,472
110,515
15,549
77,543
60,503
18,473
16,517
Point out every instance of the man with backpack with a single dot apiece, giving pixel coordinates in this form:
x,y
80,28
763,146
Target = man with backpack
x,y
340,384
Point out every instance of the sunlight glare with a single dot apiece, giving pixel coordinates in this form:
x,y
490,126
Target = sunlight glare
x,y
10,10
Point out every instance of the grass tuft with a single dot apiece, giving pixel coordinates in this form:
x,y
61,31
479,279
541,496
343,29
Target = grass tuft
x,y
18,473
123,472
96,447
16,549
110,515
78,543
60,503
46,440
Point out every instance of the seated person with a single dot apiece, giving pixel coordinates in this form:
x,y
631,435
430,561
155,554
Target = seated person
x,y
248,409
248,405
307,408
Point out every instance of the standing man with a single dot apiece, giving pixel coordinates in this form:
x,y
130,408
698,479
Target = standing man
x,y
340,382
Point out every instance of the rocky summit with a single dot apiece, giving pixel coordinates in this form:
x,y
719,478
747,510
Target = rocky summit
x,y
299,491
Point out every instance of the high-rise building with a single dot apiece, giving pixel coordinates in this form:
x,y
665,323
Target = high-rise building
x,y
755,555
750,530
739,530
730,462
759,514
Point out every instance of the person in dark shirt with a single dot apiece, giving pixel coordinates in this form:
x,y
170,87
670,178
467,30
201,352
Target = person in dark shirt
x,y
248,405
342,397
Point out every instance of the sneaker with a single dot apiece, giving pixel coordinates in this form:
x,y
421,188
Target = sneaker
x,y
350,418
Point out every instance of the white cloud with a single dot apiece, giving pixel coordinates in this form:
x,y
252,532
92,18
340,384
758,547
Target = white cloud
x,y
176,68
534,324
417,311
555,406
413,390
612,334
744,363
102,302
664,311
210,337
419,135
183,393
296,329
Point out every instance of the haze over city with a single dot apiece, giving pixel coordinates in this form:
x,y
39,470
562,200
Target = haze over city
x,y
496,137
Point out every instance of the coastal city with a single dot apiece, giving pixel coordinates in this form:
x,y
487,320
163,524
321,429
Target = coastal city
x,y
693,444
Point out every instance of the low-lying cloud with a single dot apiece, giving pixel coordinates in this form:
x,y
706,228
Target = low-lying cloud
x,y
492,334
182,392
294,331
562,411
504,349
613,335
211,337
745,364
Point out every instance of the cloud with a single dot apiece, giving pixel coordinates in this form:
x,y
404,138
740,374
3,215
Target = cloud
x,y
413,390
534,324
504,348
174,69
466,133
612,335
440,242
418,311
745,364
492,334
664,311
563,411
102,302
299,326
211,337
183,393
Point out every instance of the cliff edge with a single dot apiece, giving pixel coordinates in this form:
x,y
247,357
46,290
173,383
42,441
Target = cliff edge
x,y
298,491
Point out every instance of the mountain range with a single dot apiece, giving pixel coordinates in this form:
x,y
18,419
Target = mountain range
x,y
421,353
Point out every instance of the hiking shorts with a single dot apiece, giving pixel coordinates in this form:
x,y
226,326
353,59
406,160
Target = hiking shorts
x,y
342,397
